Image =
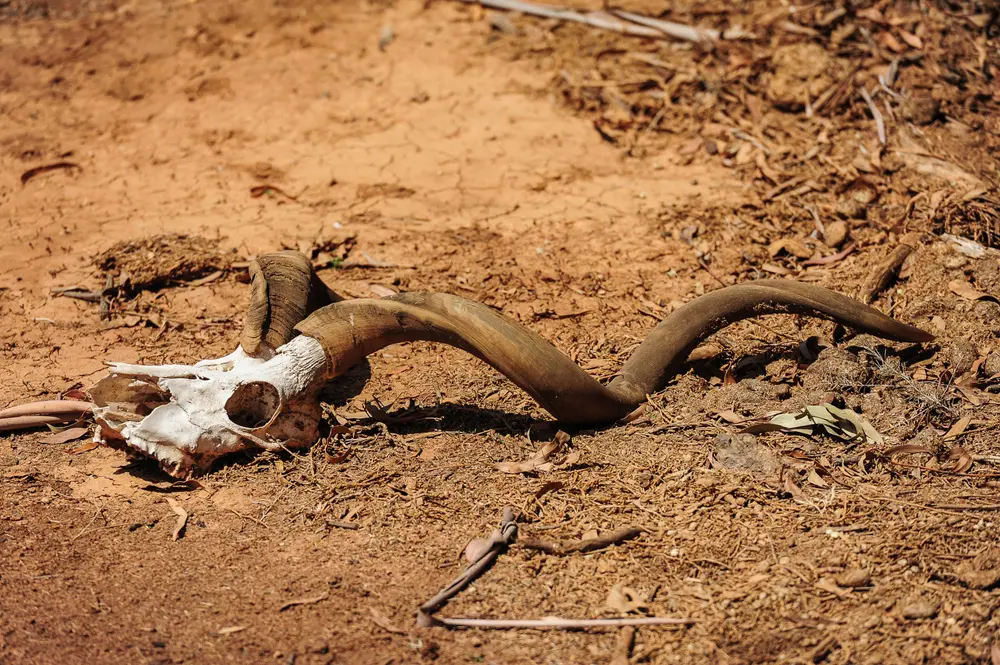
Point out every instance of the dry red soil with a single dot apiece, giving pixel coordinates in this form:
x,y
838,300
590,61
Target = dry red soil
x,y
582,182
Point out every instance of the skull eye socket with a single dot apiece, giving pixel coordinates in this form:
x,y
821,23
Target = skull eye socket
x,y
253,404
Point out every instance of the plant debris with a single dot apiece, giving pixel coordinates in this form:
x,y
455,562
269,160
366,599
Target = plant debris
x,y
827,418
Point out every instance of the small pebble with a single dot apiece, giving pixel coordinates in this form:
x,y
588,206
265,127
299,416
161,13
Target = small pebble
x,y
920,609
854,578
835,233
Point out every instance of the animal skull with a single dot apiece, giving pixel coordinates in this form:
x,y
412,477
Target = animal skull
x,y
186,416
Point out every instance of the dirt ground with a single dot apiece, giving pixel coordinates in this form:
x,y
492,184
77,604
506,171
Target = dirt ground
x,y
584,183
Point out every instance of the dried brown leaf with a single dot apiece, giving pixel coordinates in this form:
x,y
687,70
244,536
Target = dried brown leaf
x,y
625,600
65,436
83,448
790,246
958,428
960,459
965,290
815,480
476,548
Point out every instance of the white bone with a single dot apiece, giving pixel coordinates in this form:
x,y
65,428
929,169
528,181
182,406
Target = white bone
x,y
191,422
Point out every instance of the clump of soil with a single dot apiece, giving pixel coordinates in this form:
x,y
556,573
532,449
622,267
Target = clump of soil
x,y
154,262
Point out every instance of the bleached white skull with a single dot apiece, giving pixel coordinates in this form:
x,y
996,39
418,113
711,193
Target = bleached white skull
x,y
186,416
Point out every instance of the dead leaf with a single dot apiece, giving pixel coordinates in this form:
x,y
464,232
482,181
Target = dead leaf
x,y
67,435
260,190
960,459
83,448
791,246
958,428
908,449
815,480
831,587
911,39
730,416
476,548
625,600
182,518
965,290
793,489
229,630
304,601
841,423
532,464
541,460
995,653
383,622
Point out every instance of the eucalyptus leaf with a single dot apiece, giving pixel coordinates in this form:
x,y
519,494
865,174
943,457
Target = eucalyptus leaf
x,y
840,423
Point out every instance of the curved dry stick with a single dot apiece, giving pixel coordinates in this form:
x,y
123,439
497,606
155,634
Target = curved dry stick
x,y
350,330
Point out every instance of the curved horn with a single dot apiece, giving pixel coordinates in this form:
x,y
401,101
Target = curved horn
x,y
284,289
351,330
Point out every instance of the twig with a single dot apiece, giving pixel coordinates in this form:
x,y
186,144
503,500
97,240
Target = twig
x,y
647,27
889,269
249,517
833,258
76,293
87,528
499,541
559,622
106,295
876,114
584,545
489,550
669,28
304,601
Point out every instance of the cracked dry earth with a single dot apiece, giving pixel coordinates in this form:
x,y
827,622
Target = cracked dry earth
x,y
444,159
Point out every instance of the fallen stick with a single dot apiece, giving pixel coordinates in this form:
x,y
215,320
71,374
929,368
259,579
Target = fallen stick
x,y
651,28
559,622
669,28
889,269
498,541
584,545
487,552
876,114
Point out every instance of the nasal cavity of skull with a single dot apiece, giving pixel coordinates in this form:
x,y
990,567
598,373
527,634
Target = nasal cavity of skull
x,y
253,404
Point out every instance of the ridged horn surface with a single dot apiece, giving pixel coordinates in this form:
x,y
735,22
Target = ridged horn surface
x,y
284,289
353,329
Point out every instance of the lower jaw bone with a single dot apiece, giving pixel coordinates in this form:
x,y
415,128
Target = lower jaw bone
x,y
187,416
